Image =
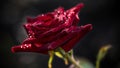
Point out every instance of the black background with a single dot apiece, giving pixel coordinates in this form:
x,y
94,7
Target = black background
x,y
103,14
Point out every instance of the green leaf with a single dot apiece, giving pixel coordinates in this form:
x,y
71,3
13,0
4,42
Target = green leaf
x,y
58,54
101,54
71,52
103,51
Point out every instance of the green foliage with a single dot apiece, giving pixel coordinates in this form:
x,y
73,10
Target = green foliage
x,y
101,54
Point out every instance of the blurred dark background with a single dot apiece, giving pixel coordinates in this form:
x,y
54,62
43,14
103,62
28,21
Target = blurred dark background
x,y
103,14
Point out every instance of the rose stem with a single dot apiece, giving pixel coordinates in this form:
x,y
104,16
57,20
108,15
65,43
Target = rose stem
x,y
70,58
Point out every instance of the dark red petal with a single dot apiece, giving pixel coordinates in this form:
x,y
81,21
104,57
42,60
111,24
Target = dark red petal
x,y
76,8
48,21
29,30
29,40
21,48
59,42
70,44
30,45
73,13
45,17
29,48
59,10
30,20
76,20
57,29
56,36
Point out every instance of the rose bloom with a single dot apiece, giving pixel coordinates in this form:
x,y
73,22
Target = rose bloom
x,y
52,30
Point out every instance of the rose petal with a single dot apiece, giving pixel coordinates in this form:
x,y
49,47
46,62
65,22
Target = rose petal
x,y
70,44
32,45
29,48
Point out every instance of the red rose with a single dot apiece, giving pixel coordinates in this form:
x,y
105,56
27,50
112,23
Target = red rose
x,y
52,30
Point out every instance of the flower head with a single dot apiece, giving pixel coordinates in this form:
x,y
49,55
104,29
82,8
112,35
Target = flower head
x,y
52,30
